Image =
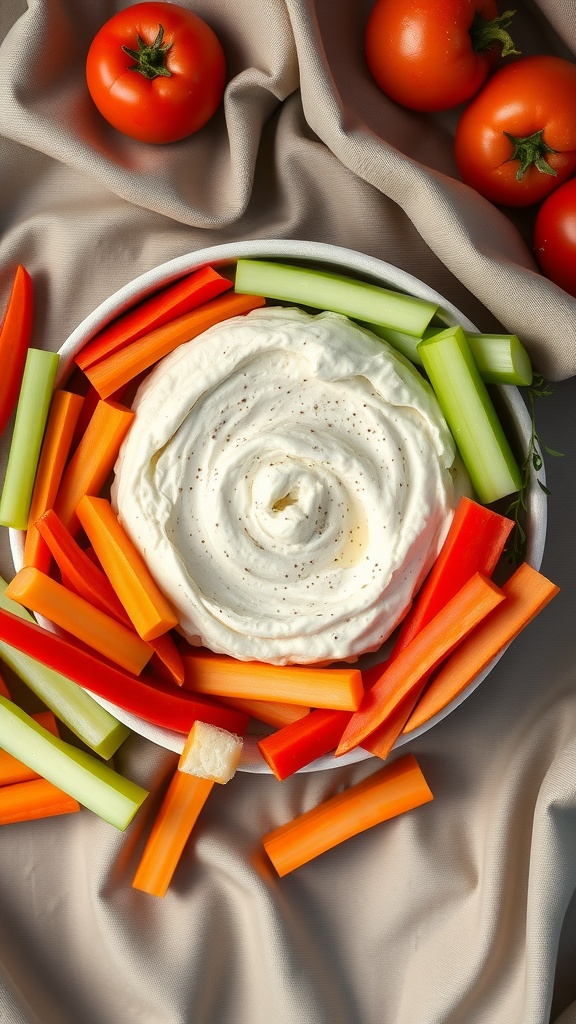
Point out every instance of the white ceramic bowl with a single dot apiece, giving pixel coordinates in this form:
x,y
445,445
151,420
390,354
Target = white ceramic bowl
x,y
357,265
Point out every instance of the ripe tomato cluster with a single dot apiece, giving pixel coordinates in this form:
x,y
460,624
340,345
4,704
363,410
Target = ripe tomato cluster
x,y
515,140
156,72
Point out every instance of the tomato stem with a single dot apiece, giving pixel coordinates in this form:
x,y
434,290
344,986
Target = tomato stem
x,y
530,150
150,58
485,32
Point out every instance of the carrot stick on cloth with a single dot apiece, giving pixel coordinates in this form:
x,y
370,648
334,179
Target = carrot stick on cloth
x,y
41,594
172,301
29,801
124,566
93,459
62,418
219,675
428,648
527,592
182,803
110,373
392,790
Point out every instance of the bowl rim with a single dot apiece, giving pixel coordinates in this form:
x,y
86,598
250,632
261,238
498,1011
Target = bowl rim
x,y
342,259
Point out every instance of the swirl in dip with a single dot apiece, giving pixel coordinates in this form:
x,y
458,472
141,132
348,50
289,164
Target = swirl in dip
x,y
289,480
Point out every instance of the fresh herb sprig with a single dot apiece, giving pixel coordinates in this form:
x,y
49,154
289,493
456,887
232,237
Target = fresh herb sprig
x,y
533,462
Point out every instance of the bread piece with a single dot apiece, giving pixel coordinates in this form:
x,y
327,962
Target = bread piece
x,y
210,753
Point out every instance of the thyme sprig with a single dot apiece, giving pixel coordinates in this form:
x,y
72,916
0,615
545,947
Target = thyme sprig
x,y
533,462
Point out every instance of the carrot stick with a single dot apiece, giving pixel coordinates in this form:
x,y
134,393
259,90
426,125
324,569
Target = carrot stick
x,y
11,769
81,574
163,306
62,418
166,659
15,338
182,803
218,675
41,594
527,592
110,373
474,543
424,652
390,791
28,801
93,459
272,712
124,566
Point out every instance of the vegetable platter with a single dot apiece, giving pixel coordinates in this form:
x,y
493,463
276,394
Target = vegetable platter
x,y
329,259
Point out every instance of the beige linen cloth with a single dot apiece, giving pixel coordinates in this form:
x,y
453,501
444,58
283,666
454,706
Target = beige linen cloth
x,y
460,912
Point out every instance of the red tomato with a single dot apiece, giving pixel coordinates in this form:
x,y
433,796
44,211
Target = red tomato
x,y
434,54
555,237
516,140
156,72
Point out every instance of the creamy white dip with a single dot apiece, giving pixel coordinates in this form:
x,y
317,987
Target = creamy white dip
x,y
289,480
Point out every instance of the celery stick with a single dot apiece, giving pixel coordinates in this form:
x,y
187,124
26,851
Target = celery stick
x,y
78,710
470,414
500,358
322,290
404,343
31,413
79,774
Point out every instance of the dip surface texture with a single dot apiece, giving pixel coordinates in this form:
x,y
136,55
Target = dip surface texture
x,y
289,480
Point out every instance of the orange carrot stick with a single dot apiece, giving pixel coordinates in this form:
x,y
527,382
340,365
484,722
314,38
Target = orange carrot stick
x,y
110,373
290,684
171,302
424,652
38,798
93,459
41,594
272,712
11,769
62,418
124,566
166,659
392,790
527,593
81,574
182,803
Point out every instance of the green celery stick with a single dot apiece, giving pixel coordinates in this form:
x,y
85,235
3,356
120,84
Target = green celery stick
x,y
470,414
335,292
500,358
79,774
404,343
29,424
78,710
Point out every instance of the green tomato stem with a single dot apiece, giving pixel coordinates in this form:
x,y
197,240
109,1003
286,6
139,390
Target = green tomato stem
x,y
530,150
150,58
484,33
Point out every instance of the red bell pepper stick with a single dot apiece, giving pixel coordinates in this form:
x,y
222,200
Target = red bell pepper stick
x,y
148,698
298,744
15,337
81,574
474,543
171,302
